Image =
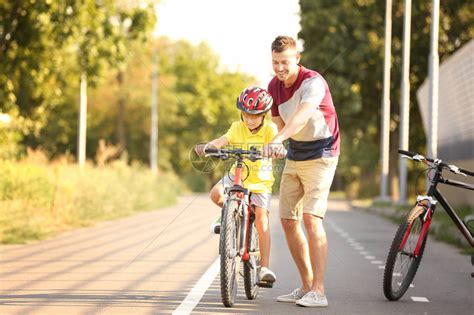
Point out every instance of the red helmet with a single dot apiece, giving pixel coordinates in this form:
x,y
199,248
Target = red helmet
x,y
254,100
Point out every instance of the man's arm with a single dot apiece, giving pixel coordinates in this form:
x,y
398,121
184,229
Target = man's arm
x,y
297,121
278,122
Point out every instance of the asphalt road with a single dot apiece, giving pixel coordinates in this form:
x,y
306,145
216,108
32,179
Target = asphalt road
x,y
162,261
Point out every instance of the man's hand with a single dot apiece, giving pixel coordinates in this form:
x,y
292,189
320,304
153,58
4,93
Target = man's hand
x,y
274,150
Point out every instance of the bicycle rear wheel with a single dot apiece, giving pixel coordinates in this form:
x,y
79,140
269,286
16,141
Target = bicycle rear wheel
x,y
230,262
252,267
401,265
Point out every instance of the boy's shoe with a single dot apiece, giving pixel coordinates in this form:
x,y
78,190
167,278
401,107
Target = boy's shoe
x,y
292,297
313,299
266,278
216,226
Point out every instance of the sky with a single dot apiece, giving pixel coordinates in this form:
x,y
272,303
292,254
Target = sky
x,y
239,31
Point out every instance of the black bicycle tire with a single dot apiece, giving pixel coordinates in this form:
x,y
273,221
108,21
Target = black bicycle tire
x,y
251,274
229,267
388,290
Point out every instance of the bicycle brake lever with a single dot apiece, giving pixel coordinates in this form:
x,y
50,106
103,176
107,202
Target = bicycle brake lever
x,y
418,158
456,170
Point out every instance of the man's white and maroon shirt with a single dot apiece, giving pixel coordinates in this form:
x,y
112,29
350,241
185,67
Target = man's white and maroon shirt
x,y
320,137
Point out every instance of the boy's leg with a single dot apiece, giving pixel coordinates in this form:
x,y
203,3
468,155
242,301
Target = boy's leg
x,y
217,194
263,228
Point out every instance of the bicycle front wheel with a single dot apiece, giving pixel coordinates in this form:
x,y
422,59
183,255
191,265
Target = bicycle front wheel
x,y
402,264
229,267
252,267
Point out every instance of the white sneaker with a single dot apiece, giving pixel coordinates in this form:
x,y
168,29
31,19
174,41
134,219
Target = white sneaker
x,y
291,297
216,226
313,299
266,275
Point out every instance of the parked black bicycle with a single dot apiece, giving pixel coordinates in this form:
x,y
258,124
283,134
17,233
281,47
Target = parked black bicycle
x,y
409,242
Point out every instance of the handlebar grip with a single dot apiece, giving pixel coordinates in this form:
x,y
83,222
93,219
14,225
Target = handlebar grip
x,y
207,151
467,172
407,153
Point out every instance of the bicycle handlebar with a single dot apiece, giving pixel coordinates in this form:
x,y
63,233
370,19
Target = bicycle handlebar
x,y
252,155
453,168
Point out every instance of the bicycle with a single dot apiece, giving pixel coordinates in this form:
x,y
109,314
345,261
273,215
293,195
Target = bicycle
x,y
409,243
238,234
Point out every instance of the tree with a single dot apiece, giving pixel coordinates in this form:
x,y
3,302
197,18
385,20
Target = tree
x,y
344,41
45,46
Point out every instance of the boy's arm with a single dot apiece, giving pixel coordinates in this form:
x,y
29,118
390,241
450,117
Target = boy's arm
x,y
216,143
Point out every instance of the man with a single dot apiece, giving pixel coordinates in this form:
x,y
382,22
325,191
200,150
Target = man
x,y
304,113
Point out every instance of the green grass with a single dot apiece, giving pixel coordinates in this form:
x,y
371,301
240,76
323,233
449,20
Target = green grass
x,y
446,231
39,200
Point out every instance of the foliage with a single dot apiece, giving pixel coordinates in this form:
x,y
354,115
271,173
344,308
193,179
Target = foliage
x,y
344,41
39,200
45,45
196,103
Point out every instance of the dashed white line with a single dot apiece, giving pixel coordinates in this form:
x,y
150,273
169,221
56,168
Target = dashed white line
x,y
369,257
196,293
419,299
376,262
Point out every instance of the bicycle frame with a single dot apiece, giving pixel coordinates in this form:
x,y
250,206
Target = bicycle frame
x,y
436,194
245,210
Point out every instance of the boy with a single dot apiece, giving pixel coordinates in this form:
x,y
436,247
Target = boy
x,y
252,130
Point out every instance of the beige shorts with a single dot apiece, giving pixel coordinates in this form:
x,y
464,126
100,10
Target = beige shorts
x,y
262,200
305,187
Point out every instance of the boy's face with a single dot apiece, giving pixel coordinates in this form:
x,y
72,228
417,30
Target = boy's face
x,y
252,121
285,63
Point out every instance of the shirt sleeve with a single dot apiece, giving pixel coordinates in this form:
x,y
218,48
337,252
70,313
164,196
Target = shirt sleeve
x,y
274,108
230,135
313,91
272,131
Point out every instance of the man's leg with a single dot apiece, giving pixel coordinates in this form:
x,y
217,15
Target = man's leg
x,y
318,248
299,250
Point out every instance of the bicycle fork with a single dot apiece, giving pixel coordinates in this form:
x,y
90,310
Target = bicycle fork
x,y
423,203
245,222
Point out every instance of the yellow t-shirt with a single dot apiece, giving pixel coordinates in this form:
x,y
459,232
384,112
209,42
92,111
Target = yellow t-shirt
x,y
239,136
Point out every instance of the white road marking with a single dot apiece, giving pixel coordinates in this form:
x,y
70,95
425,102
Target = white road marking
x,y
370,257
364,253
411,285
376,262
196,293
419,299
381,267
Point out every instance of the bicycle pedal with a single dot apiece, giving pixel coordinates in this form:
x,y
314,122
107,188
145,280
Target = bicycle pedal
x,y
265,284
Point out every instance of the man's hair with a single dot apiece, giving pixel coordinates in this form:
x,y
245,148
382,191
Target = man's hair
x,y
282,43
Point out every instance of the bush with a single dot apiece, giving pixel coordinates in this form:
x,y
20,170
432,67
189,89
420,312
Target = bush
x,y
40,200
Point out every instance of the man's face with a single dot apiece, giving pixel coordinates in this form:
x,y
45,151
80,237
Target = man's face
x,y
285,64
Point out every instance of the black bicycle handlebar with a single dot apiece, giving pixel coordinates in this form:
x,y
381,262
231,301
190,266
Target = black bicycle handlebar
x,y
452,168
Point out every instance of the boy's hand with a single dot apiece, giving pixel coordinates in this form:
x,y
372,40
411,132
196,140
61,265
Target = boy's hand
x,y
199,149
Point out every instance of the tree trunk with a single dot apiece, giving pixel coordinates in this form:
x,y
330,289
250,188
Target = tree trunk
x,y
121,132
